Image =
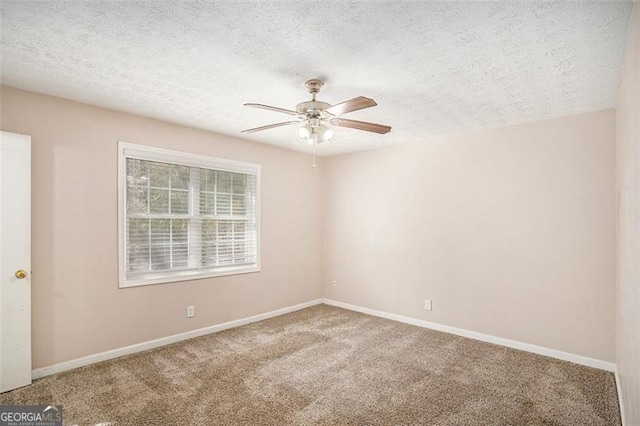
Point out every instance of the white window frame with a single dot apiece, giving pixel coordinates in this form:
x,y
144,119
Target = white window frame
x,y
144,152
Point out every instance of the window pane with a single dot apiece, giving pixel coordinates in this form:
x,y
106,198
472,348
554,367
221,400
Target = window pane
x,y
209,246
137,199
160,258
159,200
180,202
137,245
239,245
137,172
180,256
225,242
159,176
239,204
180,177
160,244
179,230
239,183
223,203
179,243
210,180
211,204
160,231
223,183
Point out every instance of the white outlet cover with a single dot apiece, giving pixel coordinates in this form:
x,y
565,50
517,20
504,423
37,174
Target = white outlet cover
x,y
427,305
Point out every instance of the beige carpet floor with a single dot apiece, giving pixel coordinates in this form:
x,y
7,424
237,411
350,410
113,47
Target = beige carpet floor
x,y
325,365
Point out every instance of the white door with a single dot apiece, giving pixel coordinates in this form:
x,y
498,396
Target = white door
x,y
15,260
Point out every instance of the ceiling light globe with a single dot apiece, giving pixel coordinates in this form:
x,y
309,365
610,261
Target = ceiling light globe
x,y
329,133
324,133
304,134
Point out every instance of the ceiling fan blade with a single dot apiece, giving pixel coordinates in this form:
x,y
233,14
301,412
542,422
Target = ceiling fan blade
x,y
272,108
351,105
270,126
361,125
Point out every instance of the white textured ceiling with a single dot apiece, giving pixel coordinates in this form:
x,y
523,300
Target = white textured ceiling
x,y
433,68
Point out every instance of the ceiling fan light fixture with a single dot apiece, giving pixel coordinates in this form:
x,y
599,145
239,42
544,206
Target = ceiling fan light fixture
x,y
304,134
328,133
308,134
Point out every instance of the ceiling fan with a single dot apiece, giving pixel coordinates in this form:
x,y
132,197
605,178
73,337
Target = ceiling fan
x,y
316,118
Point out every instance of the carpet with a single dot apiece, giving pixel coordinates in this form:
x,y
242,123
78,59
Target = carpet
x,y
329,366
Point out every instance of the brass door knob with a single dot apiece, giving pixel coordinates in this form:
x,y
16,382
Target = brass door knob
x,y
21,274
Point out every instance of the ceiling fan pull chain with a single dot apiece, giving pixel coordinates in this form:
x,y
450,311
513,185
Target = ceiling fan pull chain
x,y
314,156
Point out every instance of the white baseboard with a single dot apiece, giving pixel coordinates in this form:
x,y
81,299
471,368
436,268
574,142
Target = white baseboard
x,y
619,390
553,353
151,344
144,346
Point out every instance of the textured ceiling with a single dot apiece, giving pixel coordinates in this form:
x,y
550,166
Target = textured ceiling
x,y
433,68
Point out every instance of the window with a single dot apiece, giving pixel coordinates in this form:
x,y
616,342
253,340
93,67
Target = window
x,y
184,216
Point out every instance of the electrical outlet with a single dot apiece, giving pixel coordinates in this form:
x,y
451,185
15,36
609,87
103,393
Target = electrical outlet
x,y
191,311
334,283
427,305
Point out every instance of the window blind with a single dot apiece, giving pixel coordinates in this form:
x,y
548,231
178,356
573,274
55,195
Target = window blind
x,y
182,218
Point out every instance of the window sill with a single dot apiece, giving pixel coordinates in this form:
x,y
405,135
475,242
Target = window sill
x,y
187,276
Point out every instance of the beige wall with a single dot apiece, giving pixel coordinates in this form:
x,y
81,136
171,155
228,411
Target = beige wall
x,y
511,232
78,308
628,191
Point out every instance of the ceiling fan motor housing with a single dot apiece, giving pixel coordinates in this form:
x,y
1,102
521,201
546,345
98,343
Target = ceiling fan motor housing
x,y
312,107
